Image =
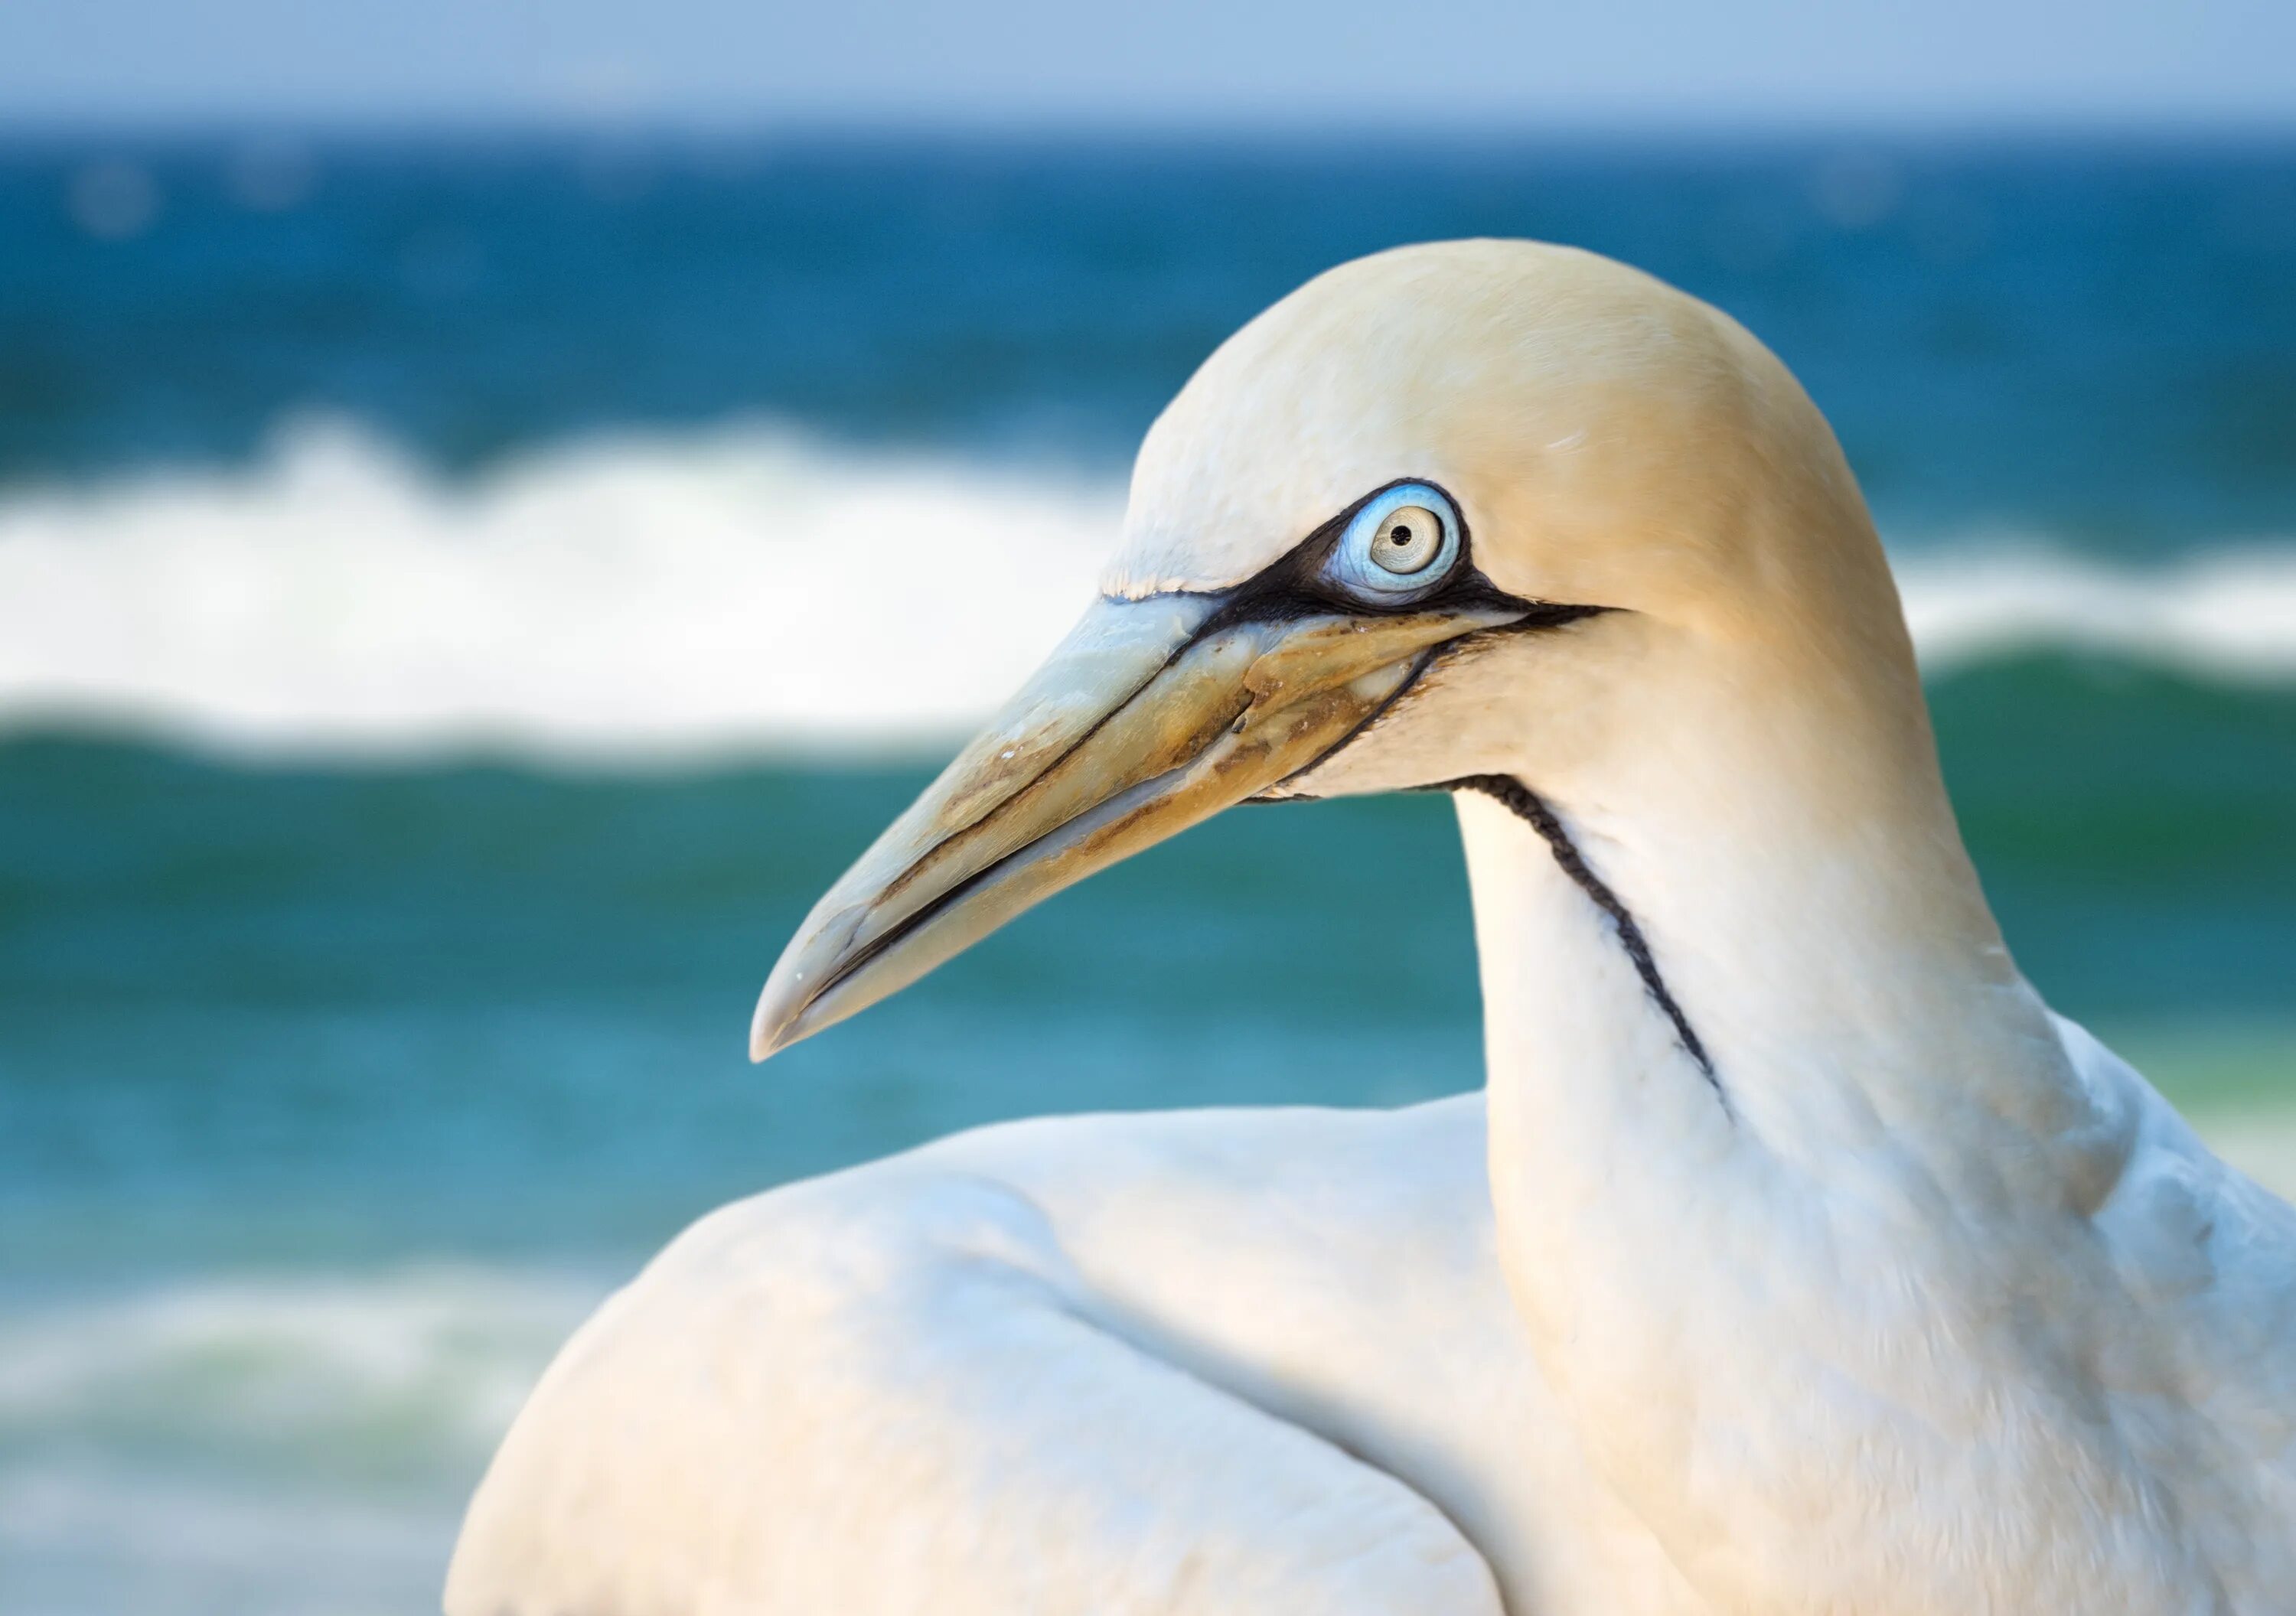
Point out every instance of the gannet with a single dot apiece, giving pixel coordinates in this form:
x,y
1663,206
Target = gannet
x,y
1796,1258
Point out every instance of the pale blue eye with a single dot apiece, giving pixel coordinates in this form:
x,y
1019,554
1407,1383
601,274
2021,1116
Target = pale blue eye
x,y
1400,545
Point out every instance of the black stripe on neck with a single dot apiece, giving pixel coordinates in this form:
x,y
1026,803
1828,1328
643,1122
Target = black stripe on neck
x,y
1525,805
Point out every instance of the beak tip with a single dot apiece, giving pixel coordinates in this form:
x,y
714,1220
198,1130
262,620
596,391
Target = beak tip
x,y
774,1027
778,1021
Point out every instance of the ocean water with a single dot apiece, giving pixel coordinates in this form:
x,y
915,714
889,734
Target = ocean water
x,y
459,604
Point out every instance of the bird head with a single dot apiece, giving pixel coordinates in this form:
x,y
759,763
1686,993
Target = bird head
x,y
1471,507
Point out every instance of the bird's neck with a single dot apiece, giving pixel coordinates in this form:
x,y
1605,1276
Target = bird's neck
x,y
1746,920
1808,907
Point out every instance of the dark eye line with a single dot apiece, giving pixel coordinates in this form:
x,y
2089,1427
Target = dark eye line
x,y
1280,595
1295,585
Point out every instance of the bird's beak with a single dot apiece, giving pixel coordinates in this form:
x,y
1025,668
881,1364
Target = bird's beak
x,y
1151,716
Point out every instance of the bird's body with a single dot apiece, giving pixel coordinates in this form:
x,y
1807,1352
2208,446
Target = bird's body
x,y
1799,1260
1199,1361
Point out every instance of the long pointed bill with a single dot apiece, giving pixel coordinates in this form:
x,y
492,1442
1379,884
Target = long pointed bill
x,y
1139,726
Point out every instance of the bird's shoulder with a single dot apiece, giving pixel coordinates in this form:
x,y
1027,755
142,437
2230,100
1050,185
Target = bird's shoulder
x,y
2206,1256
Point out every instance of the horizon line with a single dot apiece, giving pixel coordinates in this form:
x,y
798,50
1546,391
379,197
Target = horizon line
x,y
706,126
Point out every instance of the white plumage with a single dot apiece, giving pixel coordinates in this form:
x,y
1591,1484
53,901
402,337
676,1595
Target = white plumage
x,y
1800,1261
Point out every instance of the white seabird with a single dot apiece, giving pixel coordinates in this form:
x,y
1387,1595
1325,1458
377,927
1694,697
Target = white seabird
x,y
1799,1259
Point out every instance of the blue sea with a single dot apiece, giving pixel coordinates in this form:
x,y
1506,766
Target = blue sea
x,y
462,600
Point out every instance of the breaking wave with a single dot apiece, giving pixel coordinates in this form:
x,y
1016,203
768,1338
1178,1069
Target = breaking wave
x,y
739,591
2229,613
277,1446
396,1367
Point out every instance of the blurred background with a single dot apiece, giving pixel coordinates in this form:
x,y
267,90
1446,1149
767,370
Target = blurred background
x,y
499,503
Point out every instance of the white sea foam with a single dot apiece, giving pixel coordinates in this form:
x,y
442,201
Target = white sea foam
x,y
739,589
270,1446
439,1358
744,589
2228,613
